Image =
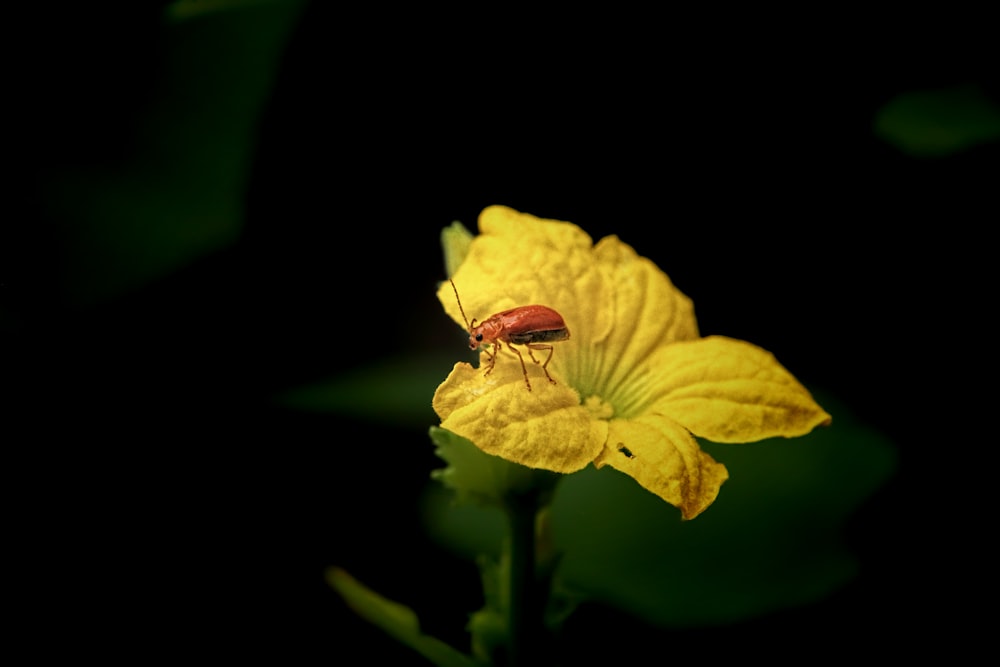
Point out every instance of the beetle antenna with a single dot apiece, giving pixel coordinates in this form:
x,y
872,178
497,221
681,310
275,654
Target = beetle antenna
x,y
467,325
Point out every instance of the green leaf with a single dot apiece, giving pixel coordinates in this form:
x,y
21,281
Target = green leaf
x,y
397,620
488,627
480,478
455,241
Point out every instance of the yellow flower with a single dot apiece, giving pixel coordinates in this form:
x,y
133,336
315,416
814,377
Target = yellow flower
x,y
634,383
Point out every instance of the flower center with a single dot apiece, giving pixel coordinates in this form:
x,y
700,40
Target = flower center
x,y
599,408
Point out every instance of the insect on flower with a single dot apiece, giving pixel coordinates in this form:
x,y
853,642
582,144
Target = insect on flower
x,y
532,326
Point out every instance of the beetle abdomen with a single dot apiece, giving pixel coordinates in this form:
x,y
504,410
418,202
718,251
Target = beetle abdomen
x,y
542,336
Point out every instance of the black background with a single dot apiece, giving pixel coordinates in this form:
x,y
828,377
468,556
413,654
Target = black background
x,y
156,497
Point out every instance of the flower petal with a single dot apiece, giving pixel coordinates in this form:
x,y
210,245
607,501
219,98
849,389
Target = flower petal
x,y
728,390
662,456
542,428
617,305
519,260
476,477
647,311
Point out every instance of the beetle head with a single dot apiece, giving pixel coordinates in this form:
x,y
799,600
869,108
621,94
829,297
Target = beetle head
x,y
487,332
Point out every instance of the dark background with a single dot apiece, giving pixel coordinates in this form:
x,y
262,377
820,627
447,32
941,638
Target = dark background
x,y
157,495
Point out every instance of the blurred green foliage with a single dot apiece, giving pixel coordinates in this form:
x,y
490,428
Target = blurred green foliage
x,y
398,621
774,539
935,123
179,191
395,389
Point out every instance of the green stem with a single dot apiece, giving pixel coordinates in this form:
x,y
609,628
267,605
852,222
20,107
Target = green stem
x,y
524,611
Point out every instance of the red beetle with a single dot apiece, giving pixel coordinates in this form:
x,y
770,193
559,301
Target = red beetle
x,y
532,326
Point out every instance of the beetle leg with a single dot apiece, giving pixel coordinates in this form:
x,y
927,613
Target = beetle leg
x,y
541,346
523,368
492,359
